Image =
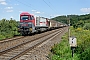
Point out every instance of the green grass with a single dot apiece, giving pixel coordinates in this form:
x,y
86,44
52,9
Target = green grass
x,y
62,51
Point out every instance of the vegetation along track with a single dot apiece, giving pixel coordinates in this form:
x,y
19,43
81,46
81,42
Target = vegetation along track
x,y
28,44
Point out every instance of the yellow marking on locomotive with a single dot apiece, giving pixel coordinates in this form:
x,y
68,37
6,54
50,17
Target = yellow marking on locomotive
x,y
18,28
30,29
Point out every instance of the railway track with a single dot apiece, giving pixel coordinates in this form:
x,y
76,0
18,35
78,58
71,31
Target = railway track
x,y
43,50
6,43
11,39
11,43
16,51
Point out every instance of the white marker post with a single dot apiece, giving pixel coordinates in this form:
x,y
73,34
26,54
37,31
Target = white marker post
x,y
73,44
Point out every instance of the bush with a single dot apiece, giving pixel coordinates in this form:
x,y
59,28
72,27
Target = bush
x,y
8,28
2,37
78,29
87,26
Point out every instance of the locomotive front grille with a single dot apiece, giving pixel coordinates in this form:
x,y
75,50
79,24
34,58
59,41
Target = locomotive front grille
x,y
24,29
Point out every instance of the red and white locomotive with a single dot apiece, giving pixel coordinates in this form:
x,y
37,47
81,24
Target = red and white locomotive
x,y
31,24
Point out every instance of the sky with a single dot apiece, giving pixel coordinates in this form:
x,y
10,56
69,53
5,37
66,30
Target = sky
x,y
44,8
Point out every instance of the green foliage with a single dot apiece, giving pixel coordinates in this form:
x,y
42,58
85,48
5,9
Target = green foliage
x,y
78,24
2,37
83,48
85,55
62,50
87,26
8,28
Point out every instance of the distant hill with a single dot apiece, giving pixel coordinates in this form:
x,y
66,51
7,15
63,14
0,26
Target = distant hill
x,y
73,18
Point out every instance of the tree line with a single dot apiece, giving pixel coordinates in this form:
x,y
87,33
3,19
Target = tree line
x,y
75,20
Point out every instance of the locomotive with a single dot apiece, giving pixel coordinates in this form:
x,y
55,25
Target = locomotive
x,y
31,24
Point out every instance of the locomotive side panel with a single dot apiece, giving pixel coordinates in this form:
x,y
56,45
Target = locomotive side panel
x,y
41,22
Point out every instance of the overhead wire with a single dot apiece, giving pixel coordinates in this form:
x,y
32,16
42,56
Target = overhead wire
x,y
25,4
28,5
52,5
33,7
49,5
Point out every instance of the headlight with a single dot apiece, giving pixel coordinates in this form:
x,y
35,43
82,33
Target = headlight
x,y
30,29
18,28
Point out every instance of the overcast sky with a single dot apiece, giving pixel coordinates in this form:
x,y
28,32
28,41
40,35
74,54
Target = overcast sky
x,y
45,8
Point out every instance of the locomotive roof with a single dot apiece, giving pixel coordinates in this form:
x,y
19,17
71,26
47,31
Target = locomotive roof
x,y
25,13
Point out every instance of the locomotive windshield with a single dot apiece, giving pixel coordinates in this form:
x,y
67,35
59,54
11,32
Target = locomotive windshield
x,y
24,18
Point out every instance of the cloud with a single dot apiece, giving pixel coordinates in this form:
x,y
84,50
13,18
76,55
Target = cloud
x,y
20,11
56,15
9,11
9,8
11,17
33,10
3,2
86,10
37,12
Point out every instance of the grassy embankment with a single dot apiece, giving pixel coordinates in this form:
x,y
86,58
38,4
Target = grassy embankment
x,y
62,50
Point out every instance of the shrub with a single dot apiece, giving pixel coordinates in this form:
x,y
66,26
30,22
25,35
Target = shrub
x,y
87,26
2,37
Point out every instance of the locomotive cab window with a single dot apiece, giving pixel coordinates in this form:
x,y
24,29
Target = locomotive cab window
x,y
31,18
24,17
